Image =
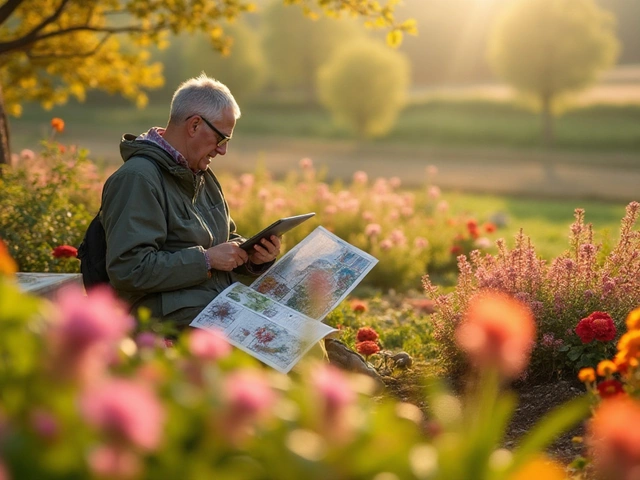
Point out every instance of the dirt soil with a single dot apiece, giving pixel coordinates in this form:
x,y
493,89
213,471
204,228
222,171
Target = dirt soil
x,y
534,402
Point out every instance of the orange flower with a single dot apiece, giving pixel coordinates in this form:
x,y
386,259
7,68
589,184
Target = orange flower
x,y
8,265
489,227
540,467
633,319
498,331
57,124
587,375
606,368
630,344
614,437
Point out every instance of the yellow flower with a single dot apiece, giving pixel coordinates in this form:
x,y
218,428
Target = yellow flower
x,y
633,319
539,468
606,368
587,375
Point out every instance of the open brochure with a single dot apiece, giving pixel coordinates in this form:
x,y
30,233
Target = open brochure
x,y
279,317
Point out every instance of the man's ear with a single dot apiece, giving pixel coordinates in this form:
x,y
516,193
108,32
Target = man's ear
x,y
192,126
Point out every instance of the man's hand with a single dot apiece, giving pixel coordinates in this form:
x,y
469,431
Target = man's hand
x,y
265,251
226,256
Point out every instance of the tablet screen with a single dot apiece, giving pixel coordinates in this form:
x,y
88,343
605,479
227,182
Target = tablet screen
x,y
276,228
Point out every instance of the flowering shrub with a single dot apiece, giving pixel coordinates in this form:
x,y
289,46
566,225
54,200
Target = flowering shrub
x,y
613,438
47,202
571,287
81,398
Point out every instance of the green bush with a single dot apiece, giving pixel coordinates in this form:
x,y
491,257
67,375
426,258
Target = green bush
x,y
364,85
47,201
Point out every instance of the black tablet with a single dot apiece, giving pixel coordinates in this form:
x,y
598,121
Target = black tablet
x,y
277,228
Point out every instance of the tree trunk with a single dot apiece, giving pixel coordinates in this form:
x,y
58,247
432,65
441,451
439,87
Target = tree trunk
x,y
5,149
547,135
547,122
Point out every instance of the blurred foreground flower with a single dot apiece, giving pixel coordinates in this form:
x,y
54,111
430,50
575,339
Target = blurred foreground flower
x,y
614,439
127,412
84,337
208,345
497,332
8,265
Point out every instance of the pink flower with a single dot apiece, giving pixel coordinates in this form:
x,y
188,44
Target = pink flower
x,y
306,163
360,177
84,337
420,242
124,411
372,230
432,170
4,474
367,334
395,182
148,340
247,180
65,251
249,398
334,391
433,192
497,332
398,237
44,424
386,244
27,154
208,345
330,210
114,462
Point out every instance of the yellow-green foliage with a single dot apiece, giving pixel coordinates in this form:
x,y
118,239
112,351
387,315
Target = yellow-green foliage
x,y
52,50
547,48
364,85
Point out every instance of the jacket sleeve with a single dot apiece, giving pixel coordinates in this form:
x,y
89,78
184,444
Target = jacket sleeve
x,y
136,229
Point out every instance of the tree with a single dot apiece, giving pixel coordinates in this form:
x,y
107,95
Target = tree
x,y
244,71
53,49
549,48
364,85
296,46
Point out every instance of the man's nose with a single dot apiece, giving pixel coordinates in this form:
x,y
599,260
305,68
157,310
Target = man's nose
x,y
222,149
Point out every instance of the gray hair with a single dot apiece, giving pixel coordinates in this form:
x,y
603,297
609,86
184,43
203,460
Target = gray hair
x,y
202,95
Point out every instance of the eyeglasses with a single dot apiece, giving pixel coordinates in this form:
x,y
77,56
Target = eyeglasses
x,y
224,138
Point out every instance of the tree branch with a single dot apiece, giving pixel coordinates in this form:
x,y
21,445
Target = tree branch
x,y
8,8
24,42
61,56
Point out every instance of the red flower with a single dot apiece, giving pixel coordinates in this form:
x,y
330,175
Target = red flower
x,y
456,250
65,251
489,227
585,331
358,306
602,326
597,326
367,348
367,334
610,388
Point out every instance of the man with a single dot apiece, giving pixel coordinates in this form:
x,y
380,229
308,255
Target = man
x,y
171,243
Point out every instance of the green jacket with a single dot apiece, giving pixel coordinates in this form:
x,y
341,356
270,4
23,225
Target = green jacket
x,y
156,240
